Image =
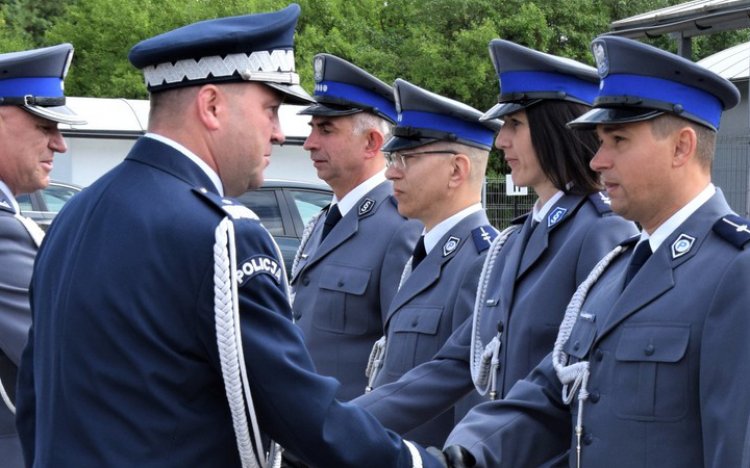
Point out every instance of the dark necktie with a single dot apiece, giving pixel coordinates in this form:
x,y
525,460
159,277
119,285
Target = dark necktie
x,y
332,217
640,255
419,253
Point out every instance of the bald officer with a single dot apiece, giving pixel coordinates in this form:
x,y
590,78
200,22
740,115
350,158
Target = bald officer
x,y
162,331
349,263
650,364
436,160
32,103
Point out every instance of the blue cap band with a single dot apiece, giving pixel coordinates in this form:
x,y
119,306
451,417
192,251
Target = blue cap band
x,y
694,101
355,94
535,81
32,86
461,128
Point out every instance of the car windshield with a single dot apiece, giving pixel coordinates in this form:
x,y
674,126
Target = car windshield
x,y
309,203
55,196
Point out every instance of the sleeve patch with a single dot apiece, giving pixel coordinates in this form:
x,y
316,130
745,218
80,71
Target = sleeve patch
x,y
259,265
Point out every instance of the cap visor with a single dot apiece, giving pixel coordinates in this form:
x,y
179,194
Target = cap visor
x,y
613,115
502,109
322,109
400,143
61,114
293,94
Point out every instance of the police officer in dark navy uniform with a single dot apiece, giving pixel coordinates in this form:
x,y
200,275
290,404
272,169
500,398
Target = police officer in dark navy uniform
x,y
533,268
162,330
32,103
650,364
351,256
436,160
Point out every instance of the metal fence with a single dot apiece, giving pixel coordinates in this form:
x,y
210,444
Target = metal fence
x,y
501,207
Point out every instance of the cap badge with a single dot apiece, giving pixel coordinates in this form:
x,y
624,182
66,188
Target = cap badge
x,y
556,215
318,69
600,54
682,245
450,245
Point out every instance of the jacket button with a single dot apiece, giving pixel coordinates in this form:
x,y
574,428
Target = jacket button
x,y
340,283
599,355
305,281
414,322
588,439
594,397
576,345
649,350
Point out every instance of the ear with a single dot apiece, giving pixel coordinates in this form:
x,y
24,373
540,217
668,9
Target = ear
x,y
373,143
685,146
209,102
460,170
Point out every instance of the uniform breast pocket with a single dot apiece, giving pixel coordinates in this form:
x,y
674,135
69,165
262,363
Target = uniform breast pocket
x,y
651,372
338,308
414,339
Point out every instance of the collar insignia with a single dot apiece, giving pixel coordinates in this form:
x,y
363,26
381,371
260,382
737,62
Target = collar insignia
x,y
556,215
682,245
366,206
450,245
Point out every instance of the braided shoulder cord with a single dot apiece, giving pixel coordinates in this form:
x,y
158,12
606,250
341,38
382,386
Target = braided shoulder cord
x,y
576,376
306,233
484,359
231,355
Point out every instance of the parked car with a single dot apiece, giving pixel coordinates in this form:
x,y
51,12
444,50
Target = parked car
x,y
284,207
44,204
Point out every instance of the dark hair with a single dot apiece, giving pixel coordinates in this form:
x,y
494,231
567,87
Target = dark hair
x,y
563,154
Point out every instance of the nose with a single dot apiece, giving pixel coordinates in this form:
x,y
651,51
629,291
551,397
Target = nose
x,y
57,142
310,142
600,161
277,136
501,140
392,172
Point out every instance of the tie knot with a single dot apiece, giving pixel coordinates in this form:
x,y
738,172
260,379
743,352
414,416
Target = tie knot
x,y
332,217
419,253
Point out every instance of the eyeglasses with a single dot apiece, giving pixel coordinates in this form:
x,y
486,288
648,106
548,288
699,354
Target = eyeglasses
x,y
398,160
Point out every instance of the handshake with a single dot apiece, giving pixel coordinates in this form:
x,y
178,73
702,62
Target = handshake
x,y
454,456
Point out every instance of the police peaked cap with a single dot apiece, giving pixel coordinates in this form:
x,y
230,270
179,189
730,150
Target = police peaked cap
x,y
425,117
257,47
640,82
342,88
33,81
528,76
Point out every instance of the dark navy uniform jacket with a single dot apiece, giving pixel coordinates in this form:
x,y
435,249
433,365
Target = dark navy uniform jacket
x,y
668,355
431,304
345,284
122,366
17,251
530,284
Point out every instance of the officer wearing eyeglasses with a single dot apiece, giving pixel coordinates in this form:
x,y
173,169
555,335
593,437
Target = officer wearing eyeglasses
x,y
436,161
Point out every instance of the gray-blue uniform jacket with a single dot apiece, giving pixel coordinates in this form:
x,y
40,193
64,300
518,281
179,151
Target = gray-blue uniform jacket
x,y
433,301
122,367
532,279
17,252
343,286
668,355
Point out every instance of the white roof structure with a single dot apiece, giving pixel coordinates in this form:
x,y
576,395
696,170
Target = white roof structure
x,y
732,63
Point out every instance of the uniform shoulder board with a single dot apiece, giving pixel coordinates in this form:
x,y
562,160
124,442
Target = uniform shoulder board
x,y
630,241
733,229
601,202
226,205
520,219
483,237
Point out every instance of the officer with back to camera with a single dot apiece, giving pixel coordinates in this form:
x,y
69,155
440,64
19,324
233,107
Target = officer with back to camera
x,y
437,160
32,103
650,365
162,331
351,256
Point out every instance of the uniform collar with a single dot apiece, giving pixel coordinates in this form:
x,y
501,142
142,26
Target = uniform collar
x,y
670,225
193,157
539,213
436,233
354,195
9,197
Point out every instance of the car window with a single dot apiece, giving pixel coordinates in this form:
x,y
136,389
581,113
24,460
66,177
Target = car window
x,y
266,206
309,203
55,196
24,202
